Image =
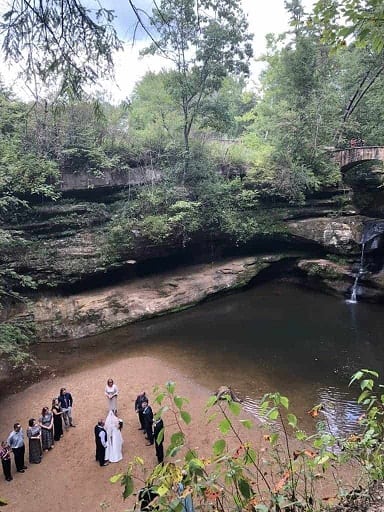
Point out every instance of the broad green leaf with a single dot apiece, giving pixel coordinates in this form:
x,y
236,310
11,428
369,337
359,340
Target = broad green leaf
x,y
300,435
170,386
250,456
162,490
115,478
177,439
284,401
186,417
245,488
160,436
219,447
234,407
323,459
292,420
178,401
247,423
225,426
366,384
273,414
211,401
159,398
211,417
191,454
127,483
356,376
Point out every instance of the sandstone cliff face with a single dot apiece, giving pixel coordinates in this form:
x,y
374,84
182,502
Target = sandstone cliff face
x,y
80,290
341,235
92,312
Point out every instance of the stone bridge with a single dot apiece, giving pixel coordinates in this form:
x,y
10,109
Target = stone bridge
x,y
349,157
107,178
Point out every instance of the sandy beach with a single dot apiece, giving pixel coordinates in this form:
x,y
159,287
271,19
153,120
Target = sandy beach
x,y
68,477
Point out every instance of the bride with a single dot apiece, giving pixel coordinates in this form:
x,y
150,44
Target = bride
x,y
113,426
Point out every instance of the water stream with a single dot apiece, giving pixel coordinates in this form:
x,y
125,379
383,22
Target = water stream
x,y
268,338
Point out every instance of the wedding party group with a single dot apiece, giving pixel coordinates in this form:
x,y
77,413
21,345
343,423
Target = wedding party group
x,y
42,434
108,437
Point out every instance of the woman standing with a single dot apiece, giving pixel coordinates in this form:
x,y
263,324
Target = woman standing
x,y
113,426
111,393
57,419
34,436
46,424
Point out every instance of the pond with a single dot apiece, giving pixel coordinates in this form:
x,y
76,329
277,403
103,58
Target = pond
x,y
273,337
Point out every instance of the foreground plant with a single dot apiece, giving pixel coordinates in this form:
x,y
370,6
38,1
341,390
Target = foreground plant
x,y
281,473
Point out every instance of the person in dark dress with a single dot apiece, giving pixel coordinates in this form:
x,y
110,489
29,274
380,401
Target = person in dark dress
x,y
148,421
5,456
101,443
139,408
34,436
158,434
46,424
57,419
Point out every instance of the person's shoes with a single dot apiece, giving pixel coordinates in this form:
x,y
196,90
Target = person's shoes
x,y
25,467
74,426
105,464
9,479
20,471
149,444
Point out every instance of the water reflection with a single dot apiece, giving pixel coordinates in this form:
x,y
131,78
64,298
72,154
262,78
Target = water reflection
x,y
274,337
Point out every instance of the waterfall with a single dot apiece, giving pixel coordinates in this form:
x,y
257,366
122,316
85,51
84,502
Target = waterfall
x,y
353,299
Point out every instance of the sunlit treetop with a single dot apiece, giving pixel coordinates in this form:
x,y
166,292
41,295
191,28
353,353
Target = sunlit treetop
x,y
60,41
351,21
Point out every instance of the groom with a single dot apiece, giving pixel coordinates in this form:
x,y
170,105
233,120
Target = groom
x,y
101,442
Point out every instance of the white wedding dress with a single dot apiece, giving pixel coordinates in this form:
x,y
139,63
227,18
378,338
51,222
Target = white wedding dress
x,y
113,452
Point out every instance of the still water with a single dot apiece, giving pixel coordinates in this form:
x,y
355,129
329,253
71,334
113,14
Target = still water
x,y
274,337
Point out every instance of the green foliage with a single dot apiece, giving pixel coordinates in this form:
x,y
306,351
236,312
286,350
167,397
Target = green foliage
x,y
351,21
60,41
15,339
205,41
282,475
367,447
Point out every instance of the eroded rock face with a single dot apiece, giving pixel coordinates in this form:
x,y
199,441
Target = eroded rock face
x,y
337,279
341,235
59,318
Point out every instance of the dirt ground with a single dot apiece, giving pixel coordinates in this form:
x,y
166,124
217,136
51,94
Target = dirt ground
x,y
68,477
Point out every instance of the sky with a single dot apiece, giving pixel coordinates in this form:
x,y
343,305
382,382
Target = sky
x,y
264,16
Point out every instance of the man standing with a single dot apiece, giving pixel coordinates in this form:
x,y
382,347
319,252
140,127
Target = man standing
x,y
158,433
16,442
66,402
139,408
148,420
101,442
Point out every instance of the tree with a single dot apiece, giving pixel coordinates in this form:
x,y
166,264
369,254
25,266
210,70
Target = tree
x,y
60,40
354,22
345,22
205,41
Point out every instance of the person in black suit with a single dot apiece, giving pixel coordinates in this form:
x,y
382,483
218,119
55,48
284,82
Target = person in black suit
x,y
148,420
158,426
101,442
139,409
